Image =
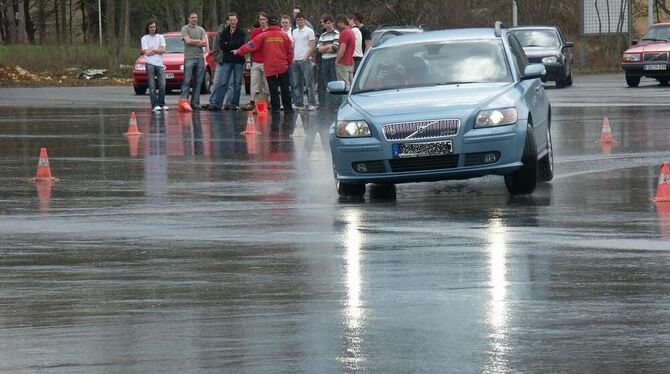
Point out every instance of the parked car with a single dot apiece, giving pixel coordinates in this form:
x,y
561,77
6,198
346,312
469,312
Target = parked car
x,y
648,57
547,45
387,32
174,65
439,105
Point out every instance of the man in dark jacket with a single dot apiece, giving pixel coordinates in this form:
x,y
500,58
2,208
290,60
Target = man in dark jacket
x,y
228,39
277,57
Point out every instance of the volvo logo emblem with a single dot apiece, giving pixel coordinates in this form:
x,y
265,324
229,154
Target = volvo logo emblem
x,y
421,129
391,131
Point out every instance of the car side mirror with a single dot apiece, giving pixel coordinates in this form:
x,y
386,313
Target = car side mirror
x,y
337,87
569,44
533,71
634,42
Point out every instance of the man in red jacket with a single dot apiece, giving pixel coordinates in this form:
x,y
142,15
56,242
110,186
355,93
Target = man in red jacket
x,y
277,57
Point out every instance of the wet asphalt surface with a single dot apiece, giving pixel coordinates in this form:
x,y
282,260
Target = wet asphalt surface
x,y
194,249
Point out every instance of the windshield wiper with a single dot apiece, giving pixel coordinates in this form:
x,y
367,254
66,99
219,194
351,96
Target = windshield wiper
x,y
455,82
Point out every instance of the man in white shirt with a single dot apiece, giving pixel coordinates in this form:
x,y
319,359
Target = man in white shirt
x,y
153,47
358,49
302,68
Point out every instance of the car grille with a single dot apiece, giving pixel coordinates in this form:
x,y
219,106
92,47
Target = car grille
x,y
423,163
421,129
656,56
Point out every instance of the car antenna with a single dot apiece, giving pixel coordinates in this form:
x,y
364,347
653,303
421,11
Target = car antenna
x,y
499,26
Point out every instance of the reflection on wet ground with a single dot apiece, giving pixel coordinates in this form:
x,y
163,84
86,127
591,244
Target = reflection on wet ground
x,y
194,248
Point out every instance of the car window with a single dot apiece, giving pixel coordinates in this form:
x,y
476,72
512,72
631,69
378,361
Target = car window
x,y
431,64
657,33
520,58
537,38
174,44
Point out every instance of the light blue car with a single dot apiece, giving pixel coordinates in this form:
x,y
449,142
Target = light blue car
x,y
440,105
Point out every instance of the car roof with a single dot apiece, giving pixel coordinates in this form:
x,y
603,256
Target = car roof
x,y
440,36
173,33
533,28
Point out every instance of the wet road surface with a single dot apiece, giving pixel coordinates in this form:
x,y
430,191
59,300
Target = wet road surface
x,y
196,249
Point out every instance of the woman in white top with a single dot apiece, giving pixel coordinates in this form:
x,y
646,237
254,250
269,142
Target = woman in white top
x,y
153,47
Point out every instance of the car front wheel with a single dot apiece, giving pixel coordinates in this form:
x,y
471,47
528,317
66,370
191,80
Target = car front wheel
x,y
206,83
524,180
632,81
140,90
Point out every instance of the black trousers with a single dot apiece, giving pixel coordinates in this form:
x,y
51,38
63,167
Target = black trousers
x,y
275,83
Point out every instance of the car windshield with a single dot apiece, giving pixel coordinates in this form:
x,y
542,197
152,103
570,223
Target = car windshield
x,y
432,64
657,33
537,38
174,44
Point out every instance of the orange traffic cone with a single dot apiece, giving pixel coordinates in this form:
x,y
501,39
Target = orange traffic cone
x,y
43,169
606,133
184,106
132,126
663,211
262,106
663,189
251,126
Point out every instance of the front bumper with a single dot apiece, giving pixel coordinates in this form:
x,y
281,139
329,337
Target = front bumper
x,y
140,79
554,72
637,69
466,161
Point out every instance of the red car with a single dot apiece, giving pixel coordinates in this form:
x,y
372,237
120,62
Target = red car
x,y
174,65
649,57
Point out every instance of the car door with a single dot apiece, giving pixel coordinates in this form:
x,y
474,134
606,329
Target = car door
x,y
534,94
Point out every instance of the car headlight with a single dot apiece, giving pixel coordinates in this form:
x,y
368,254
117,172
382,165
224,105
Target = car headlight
x,y
632,57
181,67
496,117
352,129
140,67
549,60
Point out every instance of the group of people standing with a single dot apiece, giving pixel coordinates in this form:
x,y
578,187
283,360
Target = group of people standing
x,y
284,54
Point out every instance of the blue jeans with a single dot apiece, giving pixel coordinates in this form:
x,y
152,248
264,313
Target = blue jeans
x,y
223,73
156,73
194,68
327,74
302,74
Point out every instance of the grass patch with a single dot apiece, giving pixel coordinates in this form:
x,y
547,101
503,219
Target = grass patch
x,y
56,59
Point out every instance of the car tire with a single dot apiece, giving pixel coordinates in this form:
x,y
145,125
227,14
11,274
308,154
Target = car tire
x,y
206,83
345,189
140,90
546,164
632,81
524,180
561,81
568,80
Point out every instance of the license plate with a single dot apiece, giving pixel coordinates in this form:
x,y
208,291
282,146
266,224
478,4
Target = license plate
x,y
169,75
404,150
655,67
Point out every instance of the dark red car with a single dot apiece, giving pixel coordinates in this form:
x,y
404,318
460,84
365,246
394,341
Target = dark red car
x,y
174,65
649,57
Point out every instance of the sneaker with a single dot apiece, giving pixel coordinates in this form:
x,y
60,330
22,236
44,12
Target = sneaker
x,y
165,107
196,107
298,107
157,108
205,106
233,107
311,108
